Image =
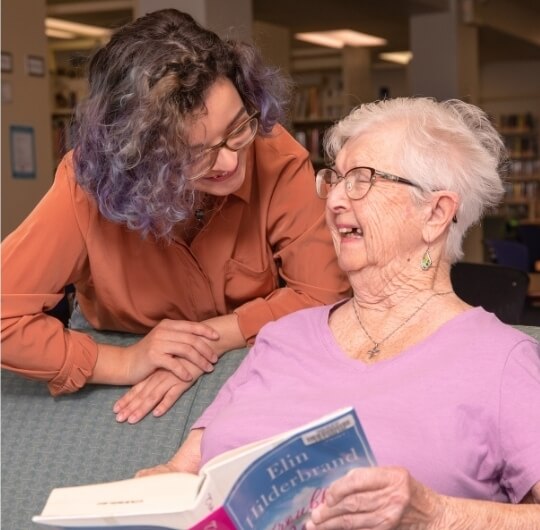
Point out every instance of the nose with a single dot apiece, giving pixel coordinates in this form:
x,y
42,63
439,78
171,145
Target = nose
x,y
226,160
337,199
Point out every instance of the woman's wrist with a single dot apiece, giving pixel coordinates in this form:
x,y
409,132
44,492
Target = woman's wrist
x,y
112,366
230,336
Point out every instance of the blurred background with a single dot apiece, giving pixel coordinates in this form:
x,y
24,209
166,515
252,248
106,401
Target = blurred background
x,y
338,53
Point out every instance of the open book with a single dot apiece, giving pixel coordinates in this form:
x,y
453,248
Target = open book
x,y
273,483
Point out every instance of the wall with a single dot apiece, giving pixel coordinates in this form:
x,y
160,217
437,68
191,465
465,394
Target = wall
x,y
511,87
274,43
22,34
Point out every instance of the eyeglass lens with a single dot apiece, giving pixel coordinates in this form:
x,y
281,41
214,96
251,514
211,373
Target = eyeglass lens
x,y
357,182
236,140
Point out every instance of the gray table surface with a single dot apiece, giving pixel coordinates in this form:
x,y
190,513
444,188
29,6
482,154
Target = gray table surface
x,y
74,439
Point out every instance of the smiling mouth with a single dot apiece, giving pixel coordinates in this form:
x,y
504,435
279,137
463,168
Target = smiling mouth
x,y
222,176
350,232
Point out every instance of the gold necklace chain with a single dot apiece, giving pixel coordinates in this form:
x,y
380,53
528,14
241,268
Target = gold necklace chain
x,y
375,350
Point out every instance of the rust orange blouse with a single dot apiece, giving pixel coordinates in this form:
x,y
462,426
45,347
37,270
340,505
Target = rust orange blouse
x,y
272,227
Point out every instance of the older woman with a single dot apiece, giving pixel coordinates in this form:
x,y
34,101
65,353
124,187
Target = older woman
x,y
447,394
181,214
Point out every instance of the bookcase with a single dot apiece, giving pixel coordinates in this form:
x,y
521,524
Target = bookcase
x,y
68,87
522,199
329,83
318,103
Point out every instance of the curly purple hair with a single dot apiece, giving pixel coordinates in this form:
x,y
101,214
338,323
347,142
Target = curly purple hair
x,y
144,85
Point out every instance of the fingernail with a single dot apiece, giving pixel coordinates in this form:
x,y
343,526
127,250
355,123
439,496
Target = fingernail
x,y
133,419
120,418
309,526
210,368
116,408
157,412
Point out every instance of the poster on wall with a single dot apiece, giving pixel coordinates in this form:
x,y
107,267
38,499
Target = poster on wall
x,y
35,65
23,153
7,63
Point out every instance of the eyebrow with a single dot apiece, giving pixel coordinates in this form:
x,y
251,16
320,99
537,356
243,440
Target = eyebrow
x,y
229,128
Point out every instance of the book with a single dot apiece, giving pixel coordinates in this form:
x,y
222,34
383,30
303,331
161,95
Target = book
x,y
269,484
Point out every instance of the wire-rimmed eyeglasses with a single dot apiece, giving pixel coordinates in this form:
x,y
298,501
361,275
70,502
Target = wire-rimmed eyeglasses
x,y
241,136
358,181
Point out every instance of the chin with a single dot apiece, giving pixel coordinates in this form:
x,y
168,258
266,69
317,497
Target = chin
x,y
349,264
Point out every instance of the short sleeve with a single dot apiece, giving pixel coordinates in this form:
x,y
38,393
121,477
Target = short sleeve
x,y
520,420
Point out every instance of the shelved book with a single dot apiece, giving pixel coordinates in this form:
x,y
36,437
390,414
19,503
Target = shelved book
x,y
273,483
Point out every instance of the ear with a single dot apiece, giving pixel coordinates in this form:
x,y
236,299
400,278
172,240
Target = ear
x,y
442,206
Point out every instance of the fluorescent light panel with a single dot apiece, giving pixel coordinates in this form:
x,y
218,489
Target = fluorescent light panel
x,y
59,34
339,38
397,57
76,28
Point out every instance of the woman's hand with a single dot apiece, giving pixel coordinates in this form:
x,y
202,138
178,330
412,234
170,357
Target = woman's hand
x,y
161,389
157,393
167,344
187,459
171,345
381,498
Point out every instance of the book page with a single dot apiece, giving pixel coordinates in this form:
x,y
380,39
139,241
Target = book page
x,y
169,492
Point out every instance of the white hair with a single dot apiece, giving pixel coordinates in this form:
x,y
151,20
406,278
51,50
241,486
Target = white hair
x,y
449,145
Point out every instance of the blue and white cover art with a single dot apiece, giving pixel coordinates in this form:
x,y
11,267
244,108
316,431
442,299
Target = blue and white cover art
x,y
280,489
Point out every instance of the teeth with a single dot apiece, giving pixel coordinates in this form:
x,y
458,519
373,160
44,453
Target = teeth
x,y
350,230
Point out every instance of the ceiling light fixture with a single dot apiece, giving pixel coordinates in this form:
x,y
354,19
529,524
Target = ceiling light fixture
x,y
339,38
59,34
78,29
397,57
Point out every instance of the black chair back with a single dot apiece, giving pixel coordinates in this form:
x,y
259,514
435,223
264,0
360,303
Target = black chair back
x,y
500,290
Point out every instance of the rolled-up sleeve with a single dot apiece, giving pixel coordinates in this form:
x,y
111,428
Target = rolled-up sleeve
x,y
45,253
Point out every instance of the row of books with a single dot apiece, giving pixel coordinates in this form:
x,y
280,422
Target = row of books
x,y
524,121
312,139
522,147
62,136
522,190
317,102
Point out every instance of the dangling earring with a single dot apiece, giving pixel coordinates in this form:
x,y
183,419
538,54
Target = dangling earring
x,y
426,262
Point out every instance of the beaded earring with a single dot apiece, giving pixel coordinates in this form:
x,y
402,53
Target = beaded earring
x,y
426,262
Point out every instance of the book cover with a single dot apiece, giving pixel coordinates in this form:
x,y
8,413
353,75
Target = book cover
x,y
272,484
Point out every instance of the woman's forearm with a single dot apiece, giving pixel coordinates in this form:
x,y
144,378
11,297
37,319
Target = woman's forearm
x,y
230,336
461,514
188,457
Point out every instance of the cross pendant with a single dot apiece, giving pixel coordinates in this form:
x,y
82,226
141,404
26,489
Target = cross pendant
x,y
374,351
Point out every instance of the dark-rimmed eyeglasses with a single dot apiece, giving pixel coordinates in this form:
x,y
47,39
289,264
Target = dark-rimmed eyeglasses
x,y
358,181
241,136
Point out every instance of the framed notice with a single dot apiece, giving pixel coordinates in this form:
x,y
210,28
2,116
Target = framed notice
x,y
7,62
23,152
7,92
35,65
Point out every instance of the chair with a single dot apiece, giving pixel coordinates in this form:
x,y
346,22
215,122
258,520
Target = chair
x,y
529,235
498,289
509,253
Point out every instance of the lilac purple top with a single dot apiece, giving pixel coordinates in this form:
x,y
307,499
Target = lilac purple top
x,y
460,410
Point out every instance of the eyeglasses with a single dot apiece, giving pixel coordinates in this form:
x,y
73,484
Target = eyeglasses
x,y
358,181
202,162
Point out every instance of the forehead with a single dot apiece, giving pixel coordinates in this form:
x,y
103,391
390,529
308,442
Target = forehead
x,y
378,148
222,106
